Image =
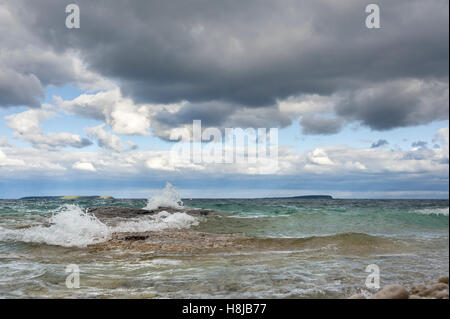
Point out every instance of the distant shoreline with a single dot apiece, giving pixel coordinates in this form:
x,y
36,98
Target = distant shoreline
x,y
110,197
218,198
68,197
303,197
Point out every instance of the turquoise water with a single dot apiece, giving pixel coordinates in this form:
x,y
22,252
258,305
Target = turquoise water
x,y
332,243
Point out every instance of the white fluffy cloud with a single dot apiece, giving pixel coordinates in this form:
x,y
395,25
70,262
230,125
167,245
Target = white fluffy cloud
x,y
27,127
307,103
5,161
104,138
326,161
84,166
4,142
442,137
121,113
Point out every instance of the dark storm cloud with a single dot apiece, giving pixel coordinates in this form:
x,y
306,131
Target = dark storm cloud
x,y
312,125
19,89
207,112
28,63
219,114
398,103
249,54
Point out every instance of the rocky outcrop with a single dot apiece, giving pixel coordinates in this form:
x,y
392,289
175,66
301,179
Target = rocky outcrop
x,y
112,211
172,241
103,212
437,290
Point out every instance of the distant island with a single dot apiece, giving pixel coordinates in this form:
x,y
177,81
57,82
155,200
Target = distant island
x,y
110,197
314,197
303,197
68,197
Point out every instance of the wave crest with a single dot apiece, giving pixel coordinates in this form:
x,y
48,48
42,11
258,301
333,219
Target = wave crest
x,y
160,221
433,211
70,226
168,197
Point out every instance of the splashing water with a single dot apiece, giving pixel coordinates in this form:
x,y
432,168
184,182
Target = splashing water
x,y
69,227
305,248
168,197
160,221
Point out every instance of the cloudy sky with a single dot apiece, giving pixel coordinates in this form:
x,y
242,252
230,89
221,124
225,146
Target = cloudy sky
x,y
361,112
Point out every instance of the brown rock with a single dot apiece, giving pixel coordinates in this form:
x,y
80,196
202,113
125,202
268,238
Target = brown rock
x,y
443,294
416,290
104,212
433,289
392,292
440,286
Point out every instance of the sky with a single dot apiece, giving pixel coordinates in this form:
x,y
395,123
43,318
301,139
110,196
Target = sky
x,y
360,113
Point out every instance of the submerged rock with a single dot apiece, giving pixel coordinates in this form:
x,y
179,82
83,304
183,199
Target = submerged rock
x,y
102,212
172,241
112,211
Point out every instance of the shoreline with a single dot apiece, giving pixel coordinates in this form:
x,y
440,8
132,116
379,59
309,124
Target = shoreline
x,y
430,290
188,241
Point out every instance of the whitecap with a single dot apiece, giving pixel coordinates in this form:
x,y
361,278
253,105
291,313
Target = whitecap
x,y
160,221
70,226
433,211
168,197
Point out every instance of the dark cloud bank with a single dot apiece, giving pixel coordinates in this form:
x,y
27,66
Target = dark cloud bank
x,y
228,56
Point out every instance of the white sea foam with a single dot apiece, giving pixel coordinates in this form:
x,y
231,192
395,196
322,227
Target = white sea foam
x,y
69,227
433,211
168,197
160,221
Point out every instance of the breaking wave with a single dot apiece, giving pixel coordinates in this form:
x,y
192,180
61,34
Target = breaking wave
x,y
168,197
433,211
349,241
160,221
70,226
